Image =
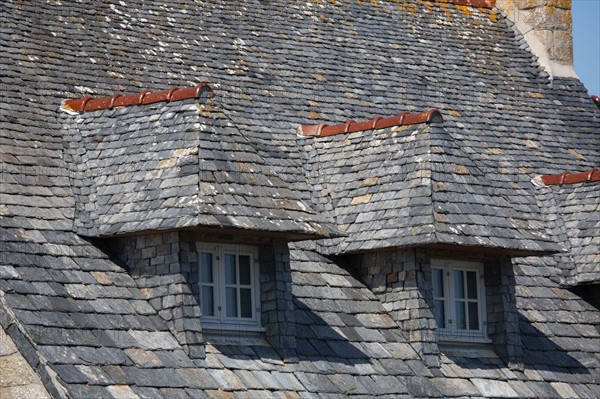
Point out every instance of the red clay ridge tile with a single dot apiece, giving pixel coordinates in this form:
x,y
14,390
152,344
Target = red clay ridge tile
x,y
596,100
570,178
142,98
472,3
406,118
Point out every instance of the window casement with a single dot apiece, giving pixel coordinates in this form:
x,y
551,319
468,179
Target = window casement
x,y
459,299
229,287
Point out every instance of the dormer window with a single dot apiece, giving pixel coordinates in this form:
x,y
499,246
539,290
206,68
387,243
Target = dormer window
x,y
228,283
459,299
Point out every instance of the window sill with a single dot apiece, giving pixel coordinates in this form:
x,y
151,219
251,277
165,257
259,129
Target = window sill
x,y
233,328
463,339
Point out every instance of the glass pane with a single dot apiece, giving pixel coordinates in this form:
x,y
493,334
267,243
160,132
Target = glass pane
x,y
459,286
440,316
207,303
206,267
438,283
461,322
246,302
230,274
472,285
244,269
231,302
473,316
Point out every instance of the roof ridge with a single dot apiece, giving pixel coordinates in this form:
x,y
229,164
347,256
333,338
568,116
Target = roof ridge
x,y
571,178
351,126
142,98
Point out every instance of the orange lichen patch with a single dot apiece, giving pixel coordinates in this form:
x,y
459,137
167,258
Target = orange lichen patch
x,y
576,154
465,10
350,96
453,113
314,115
571,178
319,77
406,118
460,169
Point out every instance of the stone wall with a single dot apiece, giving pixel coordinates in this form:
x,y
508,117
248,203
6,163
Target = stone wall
x,y
165,267
17,378
502,315
547,28
155,262
402,281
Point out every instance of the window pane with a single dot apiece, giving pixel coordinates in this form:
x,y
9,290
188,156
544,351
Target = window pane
x,y
473,316
459,286
439,312
438,283
461,322
230,274
231,302
207,303
206,267
472,285
246,302
244,269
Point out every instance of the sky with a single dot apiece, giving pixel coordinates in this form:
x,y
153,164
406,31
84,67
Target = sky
x,y
586,43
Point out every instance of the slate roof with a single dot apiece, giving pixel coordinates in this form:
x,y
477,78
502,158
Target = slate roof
x,y
165,166
81,320
407,186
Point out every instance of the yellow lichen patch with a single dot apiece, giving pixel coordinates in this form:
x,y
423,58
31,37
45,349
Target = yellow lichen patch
x,y
314,115
363,199
244,96
576,154
401,128
531,144
460,169
167,163
465,10
423,173
513,185
525,170
350,96
313,30
495,151
534,95
365,103
313,103
440,217
319,77
493,16
504,171
396,46
368,182
452,112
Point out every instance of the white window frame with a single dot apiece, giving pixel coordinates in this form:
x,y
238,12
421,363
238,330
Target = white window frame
x,y
450,331
220,320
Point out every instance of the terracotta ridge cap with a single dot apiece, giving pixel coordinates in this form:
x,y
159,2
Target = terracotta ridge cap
x,y
571,178
596,99
405,118
142,98
471,3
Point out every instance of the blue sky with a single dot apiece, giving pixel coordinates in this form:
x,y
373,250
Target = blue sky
x,y
586,43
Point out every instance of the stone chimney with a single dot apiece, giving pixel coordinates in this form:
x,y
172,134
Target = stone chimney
x,y
547,27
